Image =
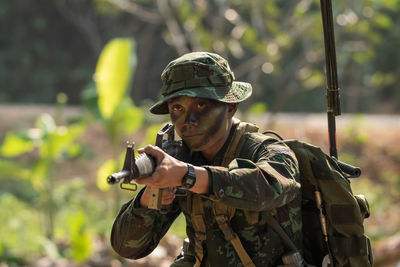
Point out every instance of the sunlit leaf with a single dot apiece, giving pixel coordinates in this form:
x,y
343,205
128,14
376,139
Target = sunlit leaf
x,y
113,73
89,98
80,239
249,36
39,174
73,150
151,135
60,141
104,171
258,108
128,116
377,78
12,169
15,145
383,21
390,4
315,79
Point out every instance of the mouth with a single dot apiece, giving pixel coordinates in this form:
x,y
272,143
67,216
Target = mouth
x,y
191,136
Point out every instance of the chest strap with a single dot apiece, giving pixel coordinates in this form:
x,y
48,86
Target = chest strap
x,y
197,216
235,146
223,215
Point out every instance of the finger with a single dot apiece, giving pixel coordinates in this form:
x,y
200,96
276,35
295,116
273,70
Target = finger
x,y
154,151
167,196
145,180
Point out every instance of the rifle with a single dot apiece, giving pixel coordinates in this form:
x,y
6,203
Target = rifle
x,y
332,95
144,165
333,103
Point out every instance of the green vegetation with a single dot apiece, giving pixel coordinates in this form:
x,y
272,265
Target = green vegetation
x,y
58,218
52,47
75,47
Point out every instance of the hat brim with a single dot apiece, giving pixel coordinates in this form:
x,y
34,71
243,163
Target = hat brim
x,y
237,92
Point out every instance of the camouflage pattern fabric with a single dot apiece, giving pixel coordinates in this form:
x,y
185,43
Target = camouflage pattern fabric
x,y
203,75
248,186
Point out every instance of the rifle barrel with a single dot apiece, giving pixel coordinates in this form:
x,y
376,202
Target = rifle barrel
x,y
332,94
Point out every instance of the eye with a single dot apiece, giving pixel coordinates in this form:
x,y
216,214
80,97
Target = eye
x,y
176,108
201,105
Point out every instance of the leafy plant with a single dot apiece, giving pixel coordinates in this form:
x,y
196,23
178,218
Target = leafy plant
x,y
109,103
41,150
52,143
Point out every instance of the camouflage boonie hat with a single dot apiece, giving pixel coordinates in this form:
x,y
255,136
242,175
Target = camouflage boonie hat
x,y
200,74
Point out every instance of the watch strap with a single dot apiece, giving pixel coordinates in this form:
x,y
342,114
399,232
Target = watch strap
x,y
189,179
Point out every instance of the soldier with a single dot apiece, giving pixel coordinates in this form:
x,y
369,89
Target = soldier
x,y
234,177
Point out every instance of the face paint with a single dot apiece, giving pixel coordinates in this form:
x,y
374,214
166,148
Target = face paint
x,y
201,123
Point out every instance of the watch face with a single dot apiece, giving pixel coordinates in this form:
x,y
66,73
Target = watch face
x,y
189,179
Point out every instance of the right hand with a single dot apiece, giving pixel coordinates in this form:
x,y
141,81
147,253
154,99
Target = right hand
x,y
168,173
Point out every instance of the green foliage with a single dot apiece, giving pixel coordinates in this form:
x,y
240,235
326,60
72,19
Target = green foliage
x,y
392,183
103,172
354,131
113,72
15,145
108,101
250,35
80,240
13,169
258,108
379,203
52,143
275,45
151,134
20,227
69,213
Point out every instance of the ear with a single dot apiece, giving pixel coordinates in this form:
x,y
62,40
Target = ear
x,y
232,109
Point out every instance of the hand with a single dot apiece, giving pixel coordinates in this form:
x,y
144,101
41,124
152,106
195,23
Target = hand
x,y
168,195
169,171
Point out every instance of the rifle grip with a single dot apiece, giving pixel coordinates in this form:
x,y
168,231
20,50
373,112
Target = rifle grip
x,y
155,198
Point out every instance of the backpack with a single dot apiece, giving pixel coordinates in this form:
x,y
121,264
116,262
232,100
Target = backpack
x,y
328,202
332,216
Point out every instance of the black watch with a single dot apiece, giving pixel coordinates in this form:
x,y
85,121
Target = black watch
x,y
189,179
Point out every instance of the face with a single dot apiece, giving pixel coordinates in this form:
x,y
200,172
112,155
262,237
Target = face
x,y
202,123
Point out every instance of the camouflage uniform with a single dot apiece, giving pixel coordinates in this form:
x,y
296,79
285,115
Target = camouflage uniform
x,y
262,178
245,185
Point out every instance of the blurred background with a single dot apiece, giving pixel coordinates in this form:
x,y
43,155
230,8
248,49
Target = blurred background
x,y
77,78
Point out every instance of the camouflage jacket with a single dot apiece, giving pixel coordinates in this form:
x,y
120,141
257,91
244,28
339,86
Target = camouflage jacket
x,y
247,185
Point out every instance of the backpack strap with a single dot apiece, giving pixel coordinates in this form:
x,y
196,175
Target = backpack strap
x,y
197,216
235,146
274,224
223,215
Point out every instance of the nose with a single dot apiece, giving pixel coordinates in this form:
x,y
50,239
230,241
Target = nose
x,y
191,119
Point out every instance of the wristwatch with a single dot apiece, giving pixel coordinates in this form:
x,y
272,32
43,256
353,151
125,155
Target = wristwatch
x,y
189,179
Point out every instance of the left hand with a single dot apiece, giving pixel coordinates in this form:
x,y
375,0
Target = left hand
x,y
169,171
168,196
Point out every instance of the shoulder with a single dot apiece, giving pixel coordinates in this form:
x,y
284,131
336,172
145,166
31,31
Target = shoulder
x,y
260,138
264,145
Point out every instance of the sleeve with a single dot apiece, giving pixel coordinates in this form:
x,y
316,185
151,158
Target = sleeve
x,y
263,178
137,231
